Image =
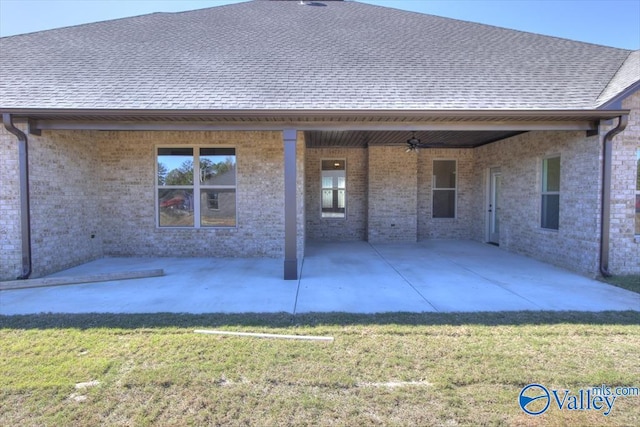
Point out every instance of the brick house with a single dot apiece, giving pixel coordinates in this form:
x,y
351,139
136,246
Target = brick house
x,y
247,130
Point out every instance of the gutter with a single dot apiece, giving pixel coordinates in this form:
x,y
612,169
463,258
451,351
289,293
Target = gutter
x,y
605,221
25,213
304,113
404,120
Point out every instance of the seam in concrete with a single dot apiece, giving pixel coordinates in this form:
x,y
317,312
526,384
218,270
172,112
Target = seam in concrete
x,y
403,278
498,284
295,303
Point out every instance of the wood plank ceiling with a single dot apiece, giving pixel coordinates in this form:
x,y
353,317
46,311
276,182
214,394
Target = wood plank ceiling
x,y
436,139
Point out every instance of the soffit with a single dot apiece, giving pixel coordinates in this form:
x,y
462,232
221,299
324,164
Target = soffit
x,y
310,118
347,128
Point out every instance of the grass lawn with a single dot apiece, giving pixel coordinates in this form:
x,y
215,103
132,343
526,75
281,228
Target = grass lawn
x,y
392,369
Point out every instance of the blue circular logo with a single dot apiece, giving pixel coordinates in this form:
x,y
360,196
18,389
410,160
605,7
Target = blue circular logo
x,y
534,399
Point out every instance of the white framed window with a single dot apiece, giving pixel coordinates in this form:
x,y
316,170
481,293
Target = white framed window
x,y
333,197
196,187
550,203
638,193
444,188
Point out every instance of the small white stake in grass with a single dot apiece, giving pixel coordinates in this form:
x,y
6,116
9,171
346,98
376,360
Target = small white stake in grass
x,y
252,334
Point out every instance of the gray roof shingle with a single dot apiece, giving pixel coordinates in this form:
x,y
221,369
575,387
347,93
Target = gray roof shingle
x,y
284,55
627,75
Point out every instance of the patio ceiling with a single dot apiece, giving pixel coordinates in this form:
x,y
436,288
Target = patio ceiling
x,y
326,128
435,139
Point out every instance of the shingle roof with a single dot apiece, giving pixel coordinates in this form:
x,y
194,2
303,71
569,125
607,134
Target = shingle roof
x,y
627,75
284,55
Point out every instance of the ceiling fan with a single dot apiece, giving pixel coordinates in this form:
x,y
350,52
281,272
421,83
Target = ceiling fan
x,y
414,144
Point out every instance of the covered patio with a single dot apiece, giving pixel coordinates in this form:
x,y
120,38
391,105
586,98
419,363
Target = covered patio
x,y
354,277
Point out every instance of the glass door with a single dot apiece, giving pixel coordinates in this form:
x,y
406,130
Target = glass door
x,y
495,180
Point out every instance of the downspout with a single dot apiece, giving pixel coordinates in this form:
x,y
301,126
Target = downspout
x,y
25,215
605,221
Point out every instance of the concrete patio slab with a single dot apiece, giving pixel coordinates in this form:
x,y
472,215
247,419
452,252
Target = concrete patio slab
x,y
437,278
487,278
352,277
190,285
357,277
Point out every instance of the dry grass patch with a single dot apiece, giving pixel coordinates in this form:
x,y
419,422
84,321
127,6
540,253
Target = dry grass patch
x,y
392,369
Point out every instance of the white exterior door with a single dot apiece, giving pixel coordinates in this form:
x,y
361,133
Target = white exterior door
x,y
495,181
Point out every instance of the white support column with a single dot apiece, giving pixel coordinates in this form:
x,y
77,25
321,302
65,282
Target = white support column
x,y
289,137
